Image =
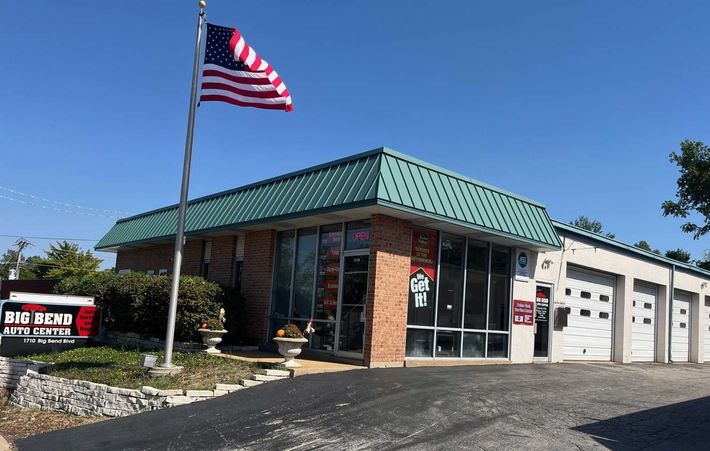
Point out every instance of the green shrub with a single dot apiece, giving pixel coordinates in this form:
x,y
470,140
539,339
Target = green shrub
x,y
138,303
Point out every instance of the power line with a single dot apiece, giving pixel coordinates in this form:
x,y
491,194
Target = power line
x,y
49,238
64,204
61,210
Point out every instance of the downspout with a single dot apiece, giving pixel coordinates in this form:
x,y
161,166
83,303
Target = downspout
x,y
670,314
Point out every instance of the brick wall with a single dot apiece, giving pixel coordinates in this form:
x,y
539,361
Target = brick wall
x,y
161,257
387,292
256,281
222,261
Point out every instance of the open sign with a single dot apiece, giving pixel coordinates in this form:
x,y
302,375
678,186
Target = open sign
x,y
361,235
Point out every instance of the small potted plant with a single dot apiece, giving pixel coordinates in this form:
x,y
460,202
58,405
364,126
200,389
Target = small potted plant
x,y
290,339
212,331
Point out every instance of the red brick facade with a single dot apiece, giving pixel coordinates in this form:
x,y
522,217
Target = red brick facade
x,y
387,292
159,257
222,261
257,276
155,258
390,248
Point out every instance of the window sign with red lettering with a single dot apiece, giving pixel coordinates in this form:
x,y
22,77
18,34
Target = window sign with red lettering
x,y
523,312
357,235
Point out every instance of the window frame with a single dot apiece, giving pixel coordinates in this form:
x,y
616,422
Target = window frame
x,y
462,329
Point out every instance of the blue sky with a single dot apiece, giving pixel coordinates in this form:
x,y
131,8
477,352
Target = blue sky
x,y
574,104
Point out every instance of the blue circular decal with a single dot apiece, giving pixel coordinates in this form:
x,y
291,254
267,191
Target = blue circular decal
x,y
523,260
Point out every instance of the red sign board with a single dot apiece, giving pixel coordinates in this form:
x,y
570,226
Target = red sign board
x,y
523,312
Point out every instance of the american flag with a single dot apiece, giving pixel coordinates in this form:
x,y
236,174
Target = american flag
x,y
235,74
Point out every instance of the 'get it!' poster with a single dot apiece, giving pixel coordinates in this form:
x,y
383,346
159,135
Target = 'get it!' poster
x,y
422,272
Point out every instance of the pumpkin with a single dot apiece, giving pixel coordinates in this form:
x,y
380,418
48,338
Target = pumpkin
x,y
203,326
280,333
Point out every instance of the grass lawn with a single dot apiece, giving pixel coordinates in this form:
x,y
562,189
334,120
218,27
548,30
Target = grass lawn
x,y
120,367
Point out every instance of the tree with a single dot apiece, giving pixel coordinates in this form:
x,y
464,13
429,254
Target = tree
x,y
8,261
66,259
693,194
705,262
647,247
591,225
679,255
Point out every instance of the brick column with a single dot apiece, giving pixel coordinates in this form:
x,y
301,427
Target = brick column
x,y
257,275
387,292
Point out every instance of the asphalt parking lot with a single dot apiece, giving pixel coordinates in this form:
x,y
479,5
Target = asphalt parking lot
x,y
561,406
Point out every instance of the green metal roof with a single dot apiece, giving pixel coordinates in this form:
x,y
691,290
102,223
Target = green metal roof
x,y
378,177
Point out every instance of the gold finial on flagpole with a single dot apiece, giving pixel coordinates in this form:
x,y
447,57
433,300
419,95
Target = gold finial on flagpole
x,y
202,4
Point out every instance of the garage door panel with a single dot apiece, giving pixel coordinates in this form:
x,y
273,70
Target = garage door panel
x,y
705,324
643,322
680,340
589,298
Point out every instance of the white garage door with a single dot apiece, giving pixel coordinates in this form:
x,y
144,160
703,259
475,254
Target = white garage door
x,y
589,300
680,341
706,333
643,323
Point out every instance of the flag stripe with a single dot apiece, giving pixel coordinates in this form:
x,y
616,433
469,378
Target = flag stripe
x,y
244,92
219,98
259,88
243,98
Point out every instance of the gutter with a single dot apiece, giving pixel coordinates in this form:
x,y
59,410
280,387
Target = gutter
x,y
670,314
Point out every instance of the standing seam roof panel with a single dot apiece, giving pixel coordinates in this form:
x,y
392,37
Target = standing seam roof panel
x,y
396,179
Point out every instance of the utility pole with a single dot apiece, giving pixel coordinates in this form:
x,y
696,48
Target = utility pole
x,y
21,245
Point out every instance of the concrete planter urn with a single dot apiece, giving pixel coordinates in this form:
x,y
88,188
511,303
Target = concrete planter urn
x,y
290,348
211,338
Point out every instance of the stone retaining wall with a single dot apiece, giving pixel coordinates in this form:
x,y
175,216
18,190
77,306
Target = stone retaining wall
x,y
12,369
45,392
140,341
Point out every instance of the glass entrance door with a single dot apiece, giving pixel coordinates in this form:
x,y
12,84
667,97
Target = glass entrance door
x,y
353,301
542,322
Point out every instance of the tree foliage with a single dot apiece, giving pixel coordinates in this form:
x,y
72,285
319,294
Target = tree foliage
x,y
8,261
693,194
66,259
705,262
591,225
647,247
138,303
678,255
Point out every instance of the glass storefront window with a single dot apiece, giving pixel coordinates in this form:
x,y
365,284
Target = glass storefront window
x,y
470,315
304,273
328,272
476,285
358,234
474,344
447,343
499,303
282,278
324,336
420,342
497,346
451,271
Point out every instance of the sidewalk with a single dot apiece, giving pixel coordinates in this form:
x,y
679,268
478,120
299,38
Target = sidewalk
x,y
309,365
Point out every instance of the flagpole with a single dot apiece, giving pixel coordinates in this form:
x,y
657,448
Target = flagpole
x,y
167,366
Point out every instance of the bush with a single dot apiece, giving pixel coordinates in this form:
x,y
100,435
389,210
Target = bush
x,y
138,302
